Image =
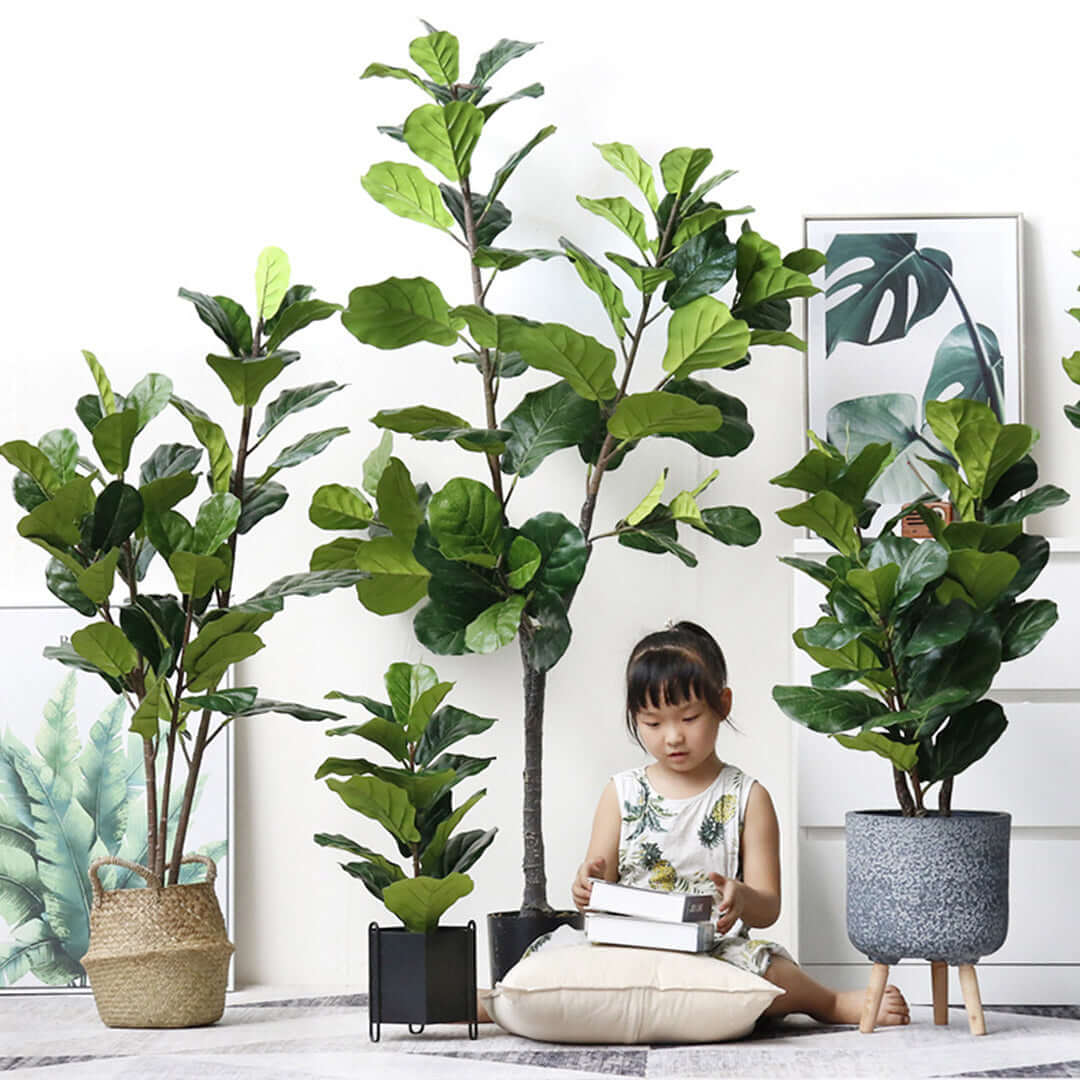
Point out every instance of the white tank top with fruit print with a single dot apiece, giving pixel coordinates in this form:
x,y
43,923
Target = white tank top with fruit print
x,y
674,844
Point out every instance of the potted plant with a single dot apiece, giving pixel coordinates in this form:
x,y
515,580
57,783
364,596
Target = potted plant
x,y
483,580
158,957
923,627
420,973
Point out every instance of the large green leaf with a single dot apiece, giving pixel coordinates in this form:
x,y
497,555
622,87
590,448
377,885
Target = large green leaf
x,y
549,632
647,279
29,459
581,360
984,576
211,665
965,739
657,412
149,396
195,574
628,161
61,448
113,437
96,581
213,438
271,281
260,500
623,215
433,851
299,452
771,284
382,802
293,400
506,170
701,266
827,515
968,665
245,377
980,372
385,733
105,646
1027,624
448,725
735,525
467,522
437,55
703,334
562,548
117,513
497,57
732,437
399,505
163,494
343,843
445,136
400,311
335,506
682,168
705,219
63,583
897,266
214,313
420,902
902,755
924,564
169,459
218,517
545,421
598,280
313,583
828,711
395,581
406,191
464,849
295,317
939,627
987,450
495,627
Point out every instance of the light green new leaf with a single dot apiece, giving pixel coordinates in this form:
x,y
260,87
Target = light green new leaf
x,y
271,281
523,559
703,334
335,506
105,390
382,802
400,311
985,576
497,626
649,503
623,215
104,645
396,580
466,521
213,438
149,396
829,516
902,755
218,517
28,459
113,437
647,279
61,447
437,54
406,191
581,360
628,161
387,71
597,279
775,283
195,574
948,418
659,413
420,902
375,463
404,685
506,170
681,168
445,136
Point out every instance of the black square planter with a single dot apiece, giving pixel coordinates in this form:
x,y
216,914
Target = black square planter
x,y
419,979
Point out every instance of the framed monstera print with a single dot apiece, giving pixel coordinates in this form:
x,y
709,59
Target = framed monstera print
x,y
912,309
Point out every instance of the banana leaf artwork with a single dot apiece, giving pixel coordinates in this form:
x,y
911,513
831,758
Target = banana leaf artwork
x,y
912,310
72,790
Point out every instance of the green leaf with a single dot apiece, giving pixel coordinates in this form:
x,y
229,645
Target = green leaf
x,y
105,647
448,726
680,169
506,170
169,459
405,685
774,283
299,452
210,666
805,260
948,418
228,326
628,161
105,391
647,279
979,373
382,802
61,447
649,503
828,711
113,437
218,517
343,843
832,519
495,627
698,223
902,755
406,191
417,419
398,312
732,437
562,547
437,54
296,316
523,559
598,281
657,412
703,265
987,450
939,627
117,513
375,463
967,667
58,521
776,337
965,739
897,266
533,90
497,57
581,360
335,506
62,582
271,281
168,531
292,401
876,587
213,438
148,397
445,136
735,525
385,71
984,576
164,493
488,222
399,505
1036,502
467,522
96,581
1027,624
546,421
434,850
420,902
246,378
395,581
34,462
385,733
195,574
507,259
260,500
549,629
704,335
623,215
926,563
314,583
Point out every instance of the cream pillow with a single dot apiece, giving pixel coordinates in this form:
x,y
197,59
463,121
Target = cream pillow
x,y
613,994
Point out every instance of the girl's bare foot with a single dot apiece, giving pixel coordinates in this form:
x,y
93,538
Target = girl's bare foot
x,y
849,1006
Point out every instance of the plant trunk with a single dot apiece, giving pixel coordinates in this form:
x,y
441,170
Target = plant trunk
x,y
945,797
534,900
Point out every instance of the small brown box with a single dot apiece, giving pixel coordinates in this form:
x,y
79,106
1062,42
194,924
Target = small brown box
x,y
913,525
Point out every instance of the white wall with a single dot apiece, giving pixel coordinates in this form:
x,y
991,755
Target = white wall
x,y
150,147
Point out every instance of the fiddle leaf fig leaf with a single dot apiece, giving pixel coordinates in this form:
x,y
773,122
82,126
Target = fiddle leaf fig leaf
x,y
703,265
581,360
705,219
597,279
985,576
246,378
400,311
387,71
508,258
506,170
828,711
195,574
105,390
497,626
271,281
420,902
96,581
466,521
649,503
623,215
28,459
417,419
213,438
61,447
381,801
104,646
902,755
292,401
437,55
335,506
445,136
523,559
295,317
407,192
113,437
394,580
218,517
546,421
497,57
117,514
703,334
659,413
647,279
299,452
148,397
681,168
399,506
375,463
830,517
628,161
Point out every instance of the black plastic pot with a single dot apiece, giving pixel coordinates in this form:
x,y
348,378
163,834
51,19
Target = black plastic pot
x,y
419,979
510,933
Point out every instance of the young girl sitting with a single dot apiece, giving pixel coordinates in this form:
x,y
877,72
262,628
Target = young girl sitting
x,y
690,822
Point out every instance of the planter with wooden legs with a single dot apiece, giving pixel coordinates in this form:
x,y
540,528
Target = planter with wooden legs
x,y
934,887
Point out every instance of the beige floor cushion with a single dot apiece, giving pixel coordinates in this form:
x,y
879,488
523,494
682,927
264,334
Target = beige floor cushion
x,y
614,994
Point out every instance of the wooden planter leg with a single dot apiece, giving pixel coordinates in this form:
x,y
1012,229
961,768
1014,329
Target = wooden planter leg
x,y
939,982
969,984
874,993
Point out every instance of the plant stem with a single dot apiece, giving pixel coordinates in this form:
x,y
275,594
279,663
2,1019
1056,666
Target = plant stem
x,y
238,491
150,772
189,798
945,797
903,794
534,900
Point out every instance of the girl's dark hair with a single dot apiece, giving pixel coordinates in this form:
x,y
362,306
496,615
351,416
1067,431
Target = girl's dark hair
x,y
672,666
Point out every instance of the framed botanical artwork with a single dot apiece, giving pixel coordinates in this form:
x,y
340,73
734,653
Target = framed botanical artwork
x,y
71,789
912,309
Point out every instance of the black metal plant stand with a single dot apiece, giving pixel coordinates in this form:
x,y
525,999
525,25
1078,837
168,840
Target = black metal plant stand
x,y
420,979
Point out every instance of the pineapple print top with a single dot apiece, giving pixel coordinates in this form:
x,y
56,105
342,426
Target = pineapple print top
x,y
674,844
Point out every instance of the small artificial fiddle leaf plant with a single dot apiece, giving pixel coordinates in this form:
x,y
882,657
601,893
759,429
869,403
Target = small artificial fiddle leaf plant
x,y
168,654
413,799
484,581
923,626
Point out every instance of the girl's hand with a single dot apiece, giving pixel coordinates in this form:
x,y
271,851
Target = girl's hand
x,y
730,900
581,890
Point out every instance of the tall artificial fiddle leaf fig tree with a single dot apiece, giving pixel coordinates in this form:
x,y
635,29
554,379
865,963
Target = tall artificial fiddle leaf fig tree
x,y
482,579
103,525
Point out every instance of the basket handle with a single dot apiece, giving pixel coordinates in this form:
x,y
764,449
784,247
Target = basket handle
x,y
151,879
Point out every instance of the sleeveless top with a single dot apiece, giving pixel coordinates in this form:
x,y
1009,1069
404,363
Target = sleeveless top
x,y
674,844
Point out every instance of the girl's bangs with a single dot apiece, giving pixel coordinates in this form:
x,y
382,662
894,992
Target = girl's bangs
x,y
664,677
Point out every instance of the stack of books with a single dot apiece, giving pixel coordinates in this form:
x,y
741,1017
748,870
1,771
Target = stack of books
x,y
649,918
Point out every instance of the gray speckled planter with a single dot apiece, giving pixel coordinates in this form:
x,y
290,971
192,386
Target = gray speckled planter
x,y
932,888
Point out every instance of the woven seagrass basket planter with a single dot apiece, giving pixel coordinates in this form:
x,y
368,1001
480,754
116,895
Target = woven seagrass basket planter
x,y
159,956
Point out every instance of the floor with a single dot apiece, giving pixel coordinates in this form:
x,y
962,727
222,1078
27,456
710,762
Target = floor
x,y
282,1034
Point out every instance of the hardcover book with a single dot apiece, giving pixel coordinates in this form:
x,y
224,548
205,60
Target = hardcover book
x,y
650,903
604,929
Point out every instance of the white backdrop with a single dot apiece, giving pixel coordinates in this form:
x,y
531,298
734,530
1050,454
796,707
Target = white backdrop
x,y
153,147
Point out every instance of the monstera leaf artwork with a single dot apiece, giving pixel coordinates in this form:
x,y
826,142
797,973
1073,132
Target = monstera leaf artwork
x,y
902,290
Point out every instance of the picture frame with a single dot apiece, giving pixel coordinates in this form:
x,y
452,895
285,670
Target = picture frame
x,y
66,730
913,308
